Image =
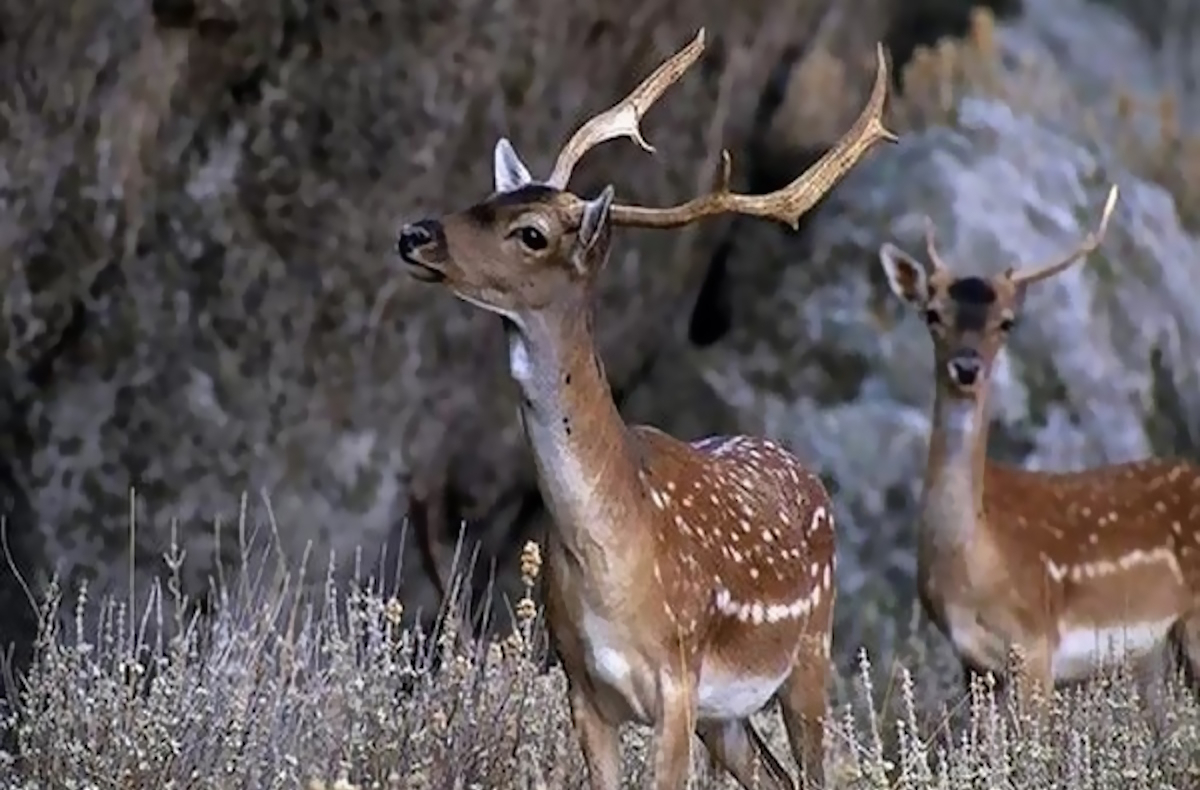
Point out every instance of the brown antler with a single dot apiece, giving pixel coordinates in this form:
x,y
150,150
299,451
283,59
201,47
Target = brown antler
x,y
788,204
931,245
622,119
1089,243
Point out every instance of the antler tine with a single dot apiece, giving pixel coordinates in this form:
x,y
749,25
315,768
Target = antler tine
x,y
788,204
931,244
1089,243
624,117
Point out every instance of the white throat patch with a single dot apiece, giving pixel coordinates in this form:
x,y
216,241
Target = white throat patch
x,y
519,362
959,417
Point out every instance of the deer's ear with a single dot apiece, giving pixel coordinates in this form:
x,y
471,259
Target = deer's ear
x,y
595,228
509,171
905,275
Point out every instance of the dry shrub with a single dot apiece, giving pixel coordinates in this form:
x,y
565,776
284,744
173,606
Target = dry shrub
x,y
282,693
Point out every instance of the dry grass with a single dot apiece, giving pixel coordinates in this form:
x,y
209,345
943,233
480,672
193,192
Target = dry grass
x,y
278,694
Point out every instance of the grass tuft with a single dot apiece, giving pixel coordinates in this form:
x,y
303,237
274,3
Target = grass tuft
x,y
277,693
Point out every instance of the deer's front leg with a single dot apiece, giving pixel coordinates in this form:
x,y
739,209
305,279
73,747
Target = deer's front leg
x,y
673,733
598,739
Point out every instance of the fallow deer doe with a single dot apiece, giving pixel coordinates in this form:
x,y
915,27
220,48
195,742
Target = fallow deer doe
x,y
686,584
1076,570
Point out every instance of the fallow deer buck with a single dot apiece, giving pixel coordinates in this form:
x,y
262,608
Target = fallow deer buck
x,y
1074,572
686,584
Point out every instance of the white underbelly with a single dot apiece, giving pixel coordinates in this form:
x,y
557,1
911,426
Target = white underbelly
x,y
727,694
1085,650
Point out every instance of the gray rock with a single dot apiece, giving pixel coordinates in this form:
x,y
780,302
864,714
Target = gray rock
x,y
826,358
1148,50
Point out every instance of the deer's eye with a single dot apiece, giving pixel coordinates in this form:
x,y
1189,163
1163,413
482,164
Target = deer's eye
x,y
932,318
1007,324
532,238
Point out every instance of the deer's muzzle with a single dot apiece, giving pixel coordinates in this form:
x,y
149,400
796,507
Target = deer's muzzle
x,y
421,244
965,368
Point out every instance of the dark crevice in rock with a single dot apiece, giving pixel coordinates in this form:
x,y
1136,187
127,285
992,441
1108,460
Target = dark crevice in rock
x,y
174,14
712,312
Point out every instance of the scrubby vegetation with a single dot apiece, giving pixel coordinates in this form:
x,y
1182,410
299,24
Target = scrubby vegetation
x,y
278,693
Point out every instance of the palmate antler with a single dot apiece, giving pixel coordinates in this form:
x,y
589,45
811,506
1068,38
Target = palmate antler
x,y
785,205
624,117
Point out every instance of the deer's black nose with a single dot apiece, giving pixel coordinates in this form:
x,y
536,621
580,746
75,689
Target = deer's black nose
x,y
965,367
419,234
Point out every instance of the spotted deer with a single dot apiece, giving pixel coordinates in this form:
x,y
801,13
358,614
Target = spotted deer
x,y
687,584
1078,571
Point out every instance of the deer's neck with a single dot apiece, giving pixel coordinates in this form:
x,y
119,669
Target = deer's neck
x,y
953,496
579,441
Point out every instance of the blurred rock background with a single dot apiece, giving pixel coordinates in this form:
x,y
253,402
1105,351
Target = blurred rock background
x,y
198,202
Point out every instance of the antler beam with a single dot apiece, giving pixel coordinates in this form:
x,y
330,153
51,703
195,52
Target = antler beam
x,y
623,118
1089,243
788,204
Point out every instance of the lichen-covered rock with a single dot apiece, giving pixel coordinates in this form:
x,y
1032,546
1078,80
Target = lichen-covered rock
x,y
825,358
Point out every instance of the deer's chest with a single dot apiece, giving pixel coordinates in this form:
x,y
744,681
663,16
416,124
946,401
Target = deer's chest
x,y
604,636
982,640
968,601
615,667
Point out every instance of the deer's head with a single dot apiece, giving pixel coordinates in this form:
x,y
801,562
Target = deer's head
x,y
526,246
969,317
532,244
